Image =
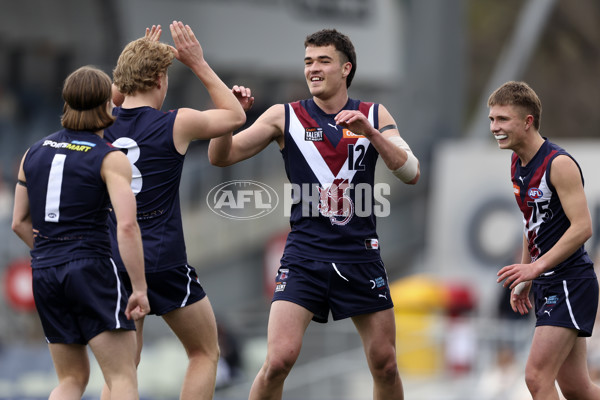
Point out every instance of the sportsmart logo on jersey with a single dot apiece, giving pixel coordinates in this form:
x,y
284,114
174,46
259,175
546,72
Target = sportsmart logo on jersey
x,y
74,145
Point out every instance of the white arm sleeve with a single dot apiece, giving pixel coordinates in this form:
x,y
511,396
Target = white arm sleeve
x,y
408,171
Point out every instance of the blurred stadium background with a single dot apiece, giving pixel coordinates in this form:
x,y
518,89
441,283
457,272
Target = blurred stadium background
x,y
432,63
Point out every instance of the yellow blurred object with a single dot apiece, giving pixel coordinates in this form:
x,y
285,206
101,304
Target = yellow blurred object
x,y
418,302
418,293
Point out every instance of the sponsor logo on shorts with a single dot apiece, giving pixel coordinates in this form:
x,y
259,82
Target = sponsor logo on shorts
x,y
550,302
377,282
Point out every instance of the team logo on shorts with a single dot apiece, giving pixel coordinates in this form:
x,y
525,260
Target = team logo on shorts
x,y
377,282
550,302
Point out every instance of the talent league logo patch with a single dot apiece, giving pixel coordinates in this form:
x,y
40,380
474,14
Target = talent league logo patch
x,y
313,134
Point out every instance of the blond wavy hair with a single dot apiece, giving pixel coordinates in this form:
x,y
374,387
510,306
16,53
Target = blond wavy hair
x,y
140,65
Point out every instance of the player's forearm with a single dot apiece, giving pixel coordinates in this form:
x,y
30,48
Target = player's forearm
x,y
398,157
132,254
24,231
572,239
220,94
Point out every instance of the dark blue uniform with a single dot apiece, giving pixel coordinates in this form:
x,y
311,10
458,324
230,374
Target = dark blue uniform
x,y
567,295
331,260
146,134
76,287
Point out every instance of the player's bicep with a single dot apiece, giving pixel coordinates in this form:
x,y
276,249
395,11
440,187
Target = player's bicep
x,y
387,124
566,178
193,124
116,172
21,211
266,129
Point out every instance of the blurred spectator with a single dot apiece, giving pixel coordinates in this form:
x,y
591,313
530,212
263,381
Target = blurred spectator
x,y
229,367
461,337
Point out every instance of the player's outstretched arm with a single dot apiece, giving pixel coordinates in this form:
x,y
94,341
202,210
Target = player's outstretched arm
x,y
230,149
192,124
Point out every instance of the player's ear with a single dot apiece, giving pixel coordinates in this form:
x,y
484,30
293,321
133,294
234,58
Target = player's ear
x,y
346,68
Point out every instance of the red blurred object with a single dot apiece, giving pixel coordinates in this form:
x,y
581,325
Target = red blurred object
x,y
459,298
18,285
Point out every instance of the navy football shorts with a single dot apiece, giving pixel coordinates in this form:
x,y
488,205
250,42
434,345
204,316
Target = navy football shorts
x,y
346,290
170,289
570,303
80,299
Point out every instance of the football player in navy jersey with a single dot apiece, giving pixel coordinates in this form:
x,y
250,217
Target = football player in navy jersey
x,y
330,144
61,209
555,267
156,143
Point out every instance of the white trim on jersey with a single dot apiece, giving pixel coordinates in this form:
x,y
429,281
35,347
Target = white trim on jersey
x,y
313,157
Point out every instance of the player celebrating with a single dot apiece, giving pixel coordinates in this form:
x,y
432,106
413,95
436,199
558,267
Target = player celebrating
x,y
331,263
156,144
61,210
548,187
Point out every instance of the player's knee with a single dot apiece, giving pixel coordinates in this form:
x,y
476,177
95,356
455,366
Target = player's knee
x,y
534,380
79,381
384,366
278,368
211,354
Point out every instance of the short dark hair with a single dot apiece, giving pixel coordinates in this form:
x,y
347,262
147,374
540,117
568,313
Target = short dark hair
x,y
341,42
520,94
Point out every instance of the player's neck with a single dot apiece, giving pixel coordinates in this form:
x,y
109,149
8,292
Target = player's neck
x,y
526,153
333,104
142,99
